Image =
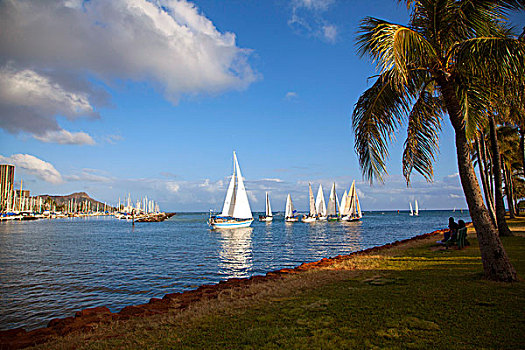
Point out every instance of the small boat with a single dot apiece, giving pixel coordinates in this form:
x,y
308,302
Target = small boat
x,y
320,206
289,211
312,215
267,217
332,207
411,210
352,209
236,211
416,212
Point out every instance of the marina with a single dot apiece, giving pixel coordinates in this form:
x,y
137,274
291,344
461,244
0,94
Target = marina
x,y
53,268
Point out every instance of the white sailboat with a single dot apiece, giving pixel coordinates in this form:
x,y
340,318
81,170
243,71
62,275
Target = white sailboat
x,y
236,211
320,206
267,217
332,207
312,215
416,212
352,209
411,210
289,211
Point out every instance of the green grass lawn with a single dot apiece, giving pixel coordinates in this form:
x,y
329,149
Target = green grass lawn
x,y
416,297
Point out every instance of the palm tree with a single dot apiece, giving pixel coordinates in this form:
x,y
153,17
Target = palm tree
x,y
445,60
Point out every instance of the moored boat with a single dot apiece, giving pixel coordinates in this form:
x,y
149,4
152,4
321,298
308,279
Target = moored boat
x,y
312,215
351,211
268,216
332,207
320,206
290,211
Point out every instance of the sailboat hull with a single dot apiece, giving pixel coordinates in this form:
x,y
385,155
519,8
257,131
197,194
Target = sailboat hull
x,y
308,219
265,218
349,218
332,218
291,219
231,223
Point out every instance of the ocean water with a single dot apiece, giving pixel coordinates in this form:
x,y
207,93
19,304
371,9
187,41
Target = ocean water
x,y
53,268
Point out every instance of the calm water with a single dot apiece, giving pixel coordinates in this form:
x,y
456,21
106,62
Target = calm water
x,y
52,268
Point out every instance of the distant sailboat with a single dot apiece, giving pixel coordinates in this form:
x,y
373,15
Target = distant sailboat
x,y
343,204
416,212
268,214
332,208
352,209
411,210
236,211
320,206
289,211
312,215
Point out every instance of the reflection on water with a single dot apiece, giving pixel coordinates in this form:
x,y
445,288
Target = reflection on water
x,y
53,268
236,254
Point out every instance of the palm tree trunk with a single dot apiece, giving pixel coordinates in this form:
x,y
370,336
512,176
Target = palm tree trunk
x,y
496,264
484,180
503,228
522,158
508,190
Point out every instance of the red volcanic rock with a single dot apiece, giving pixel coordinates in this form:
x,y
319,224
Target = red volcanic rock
x,y
93,311
88,319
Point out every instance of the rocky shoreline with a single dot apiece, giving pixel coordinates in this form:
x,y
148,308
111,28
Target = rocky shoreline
x,y
88,319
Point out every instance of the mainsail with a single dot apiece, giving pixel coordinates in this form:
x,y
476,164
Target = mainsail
x,y
289,207
344,200
332,202
320,206
411,211
350,203
312,203
268,206
236,203
417,209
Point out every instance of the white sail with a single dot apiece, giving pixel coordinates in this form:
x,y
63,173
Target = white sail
x,y
411,211
417,209
312,203
268,206
350,204
241,210
229,201
344,200
289,207
320,206
332,202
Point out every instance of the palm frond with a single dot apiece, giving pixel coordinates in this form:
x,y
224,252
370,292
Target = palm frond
x,y
421,145
394,47
376,117
494,59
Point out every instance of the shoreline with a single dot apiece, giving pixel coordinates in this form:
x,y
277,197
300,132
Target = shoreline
x,y
89,319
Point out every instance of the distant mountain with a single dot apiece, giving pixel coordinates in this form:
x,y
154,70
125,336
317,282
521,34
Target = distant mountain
x,y
78,197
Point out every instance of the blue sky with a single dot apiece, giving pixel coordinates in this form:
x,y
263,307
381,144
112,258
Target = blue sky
x,y
151,99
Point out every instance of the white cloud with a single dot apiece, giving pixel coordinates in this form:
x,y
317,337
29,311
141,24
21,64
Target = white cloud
x,y
172,187
291,95
29,101
34,166
308,19
65,137
89,175
49,62
112,139
317,5
330,33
